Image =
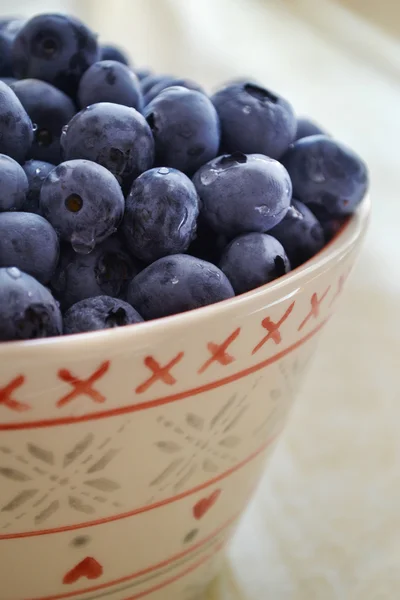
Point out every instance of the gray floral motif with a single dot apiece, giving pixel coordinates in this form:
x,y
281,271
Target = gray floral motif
x,y
47,482
212,444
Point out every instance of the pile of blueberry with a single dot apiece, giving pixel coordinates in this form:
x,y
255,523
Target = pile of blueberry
x,y
127,195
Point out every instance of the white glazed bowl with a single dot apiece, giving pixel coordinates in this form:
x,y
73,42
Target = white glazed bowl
x,y
127,456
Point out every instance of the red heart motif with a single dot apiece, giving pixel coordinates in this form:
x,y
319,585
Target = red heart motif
x,y
88,567
204,505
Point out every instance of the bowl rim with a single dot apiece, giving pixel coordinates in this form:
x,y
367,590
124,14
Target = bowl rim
x,y
344,239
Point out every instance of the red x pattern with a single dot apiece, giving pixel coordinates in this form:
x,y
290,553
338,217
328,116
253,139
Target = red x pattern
x,y
315,306
273,329
159,373
83,386
6,398
219,352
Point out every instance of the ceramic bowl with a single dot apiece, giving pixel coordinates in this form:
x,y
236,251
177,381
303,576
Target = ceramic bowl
x,y
127,456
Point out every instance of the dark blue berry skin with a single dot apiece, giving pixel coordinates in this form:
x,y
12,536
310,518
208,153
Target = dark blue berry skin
x,y
27,308
105,271
326,173
115,136
162,85
101,312
36,172
29,242
253,259
8,80
142,73
300,233
330,225
186,129
16,129
306,127
153,79
110,81
175,284
243,193
55,48
13,184
49,109
207,244
111,52
254,120
8,30
84,203
160,214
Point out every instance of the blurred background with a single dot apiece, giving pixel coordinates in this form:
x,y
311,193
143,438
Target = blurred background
x,y
325,523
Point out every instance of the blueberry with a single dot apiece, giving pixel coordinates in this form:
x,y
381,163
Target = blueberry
x,y
84,203
112,135
16,130
27,309
160,214
330,225
105,271
207,244
173,82
253,259
306,127
326,173
8,80
254,120
111,52
110,81
153,79
300,233
8,30
185,127
175,284
100,312
55,48
13,184
243,193
36,172
29,242
141,73
50,109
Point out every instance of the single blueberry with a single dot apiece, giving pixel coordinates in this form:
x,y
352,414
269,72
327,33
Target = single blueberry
x,y
105,271
27,308
49,109
207,244
186,129
8,31
13,184
110,81
160,214
326,173
115,136
175,284
55,48
242,193
306,127
100,312
84,203
254,120
29,242
157,88
111,52
36,172
16,129
300,233
253,259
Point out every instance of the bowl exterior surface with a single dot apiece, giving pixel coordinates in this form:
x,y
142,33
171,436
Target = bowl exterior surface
x,y
127,457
